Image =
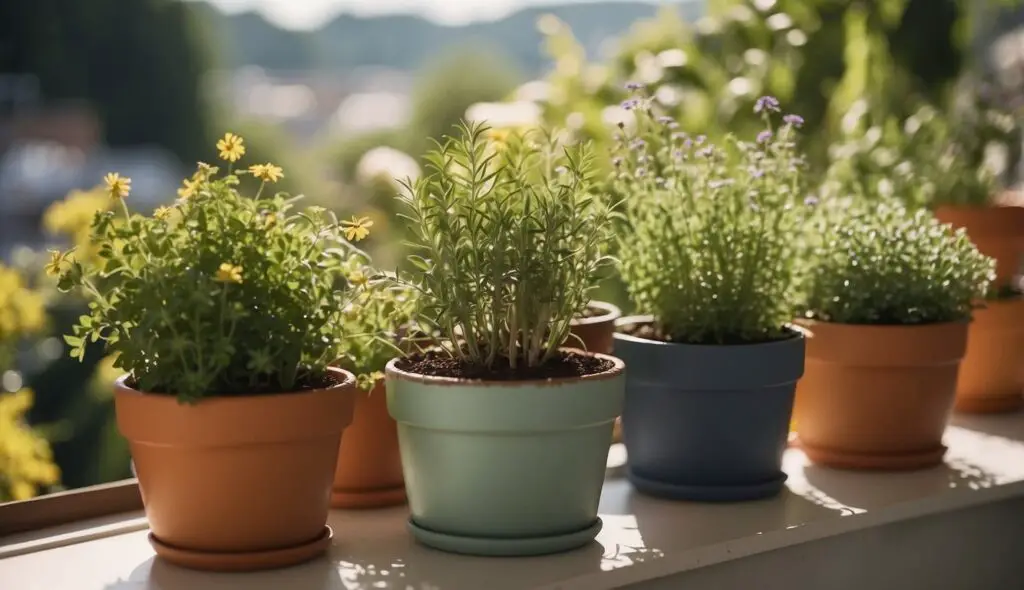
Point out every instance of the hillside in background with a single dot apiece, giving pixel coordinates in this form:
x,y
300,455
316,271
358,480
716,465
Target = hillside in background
x,y
406,42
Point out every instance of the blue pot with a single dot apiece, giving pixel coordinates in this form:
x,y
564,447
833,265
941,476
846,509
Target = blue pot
x,y
707,422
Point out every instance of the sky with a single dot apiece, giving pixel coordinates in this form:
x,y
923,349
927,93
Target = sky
x,y
305,14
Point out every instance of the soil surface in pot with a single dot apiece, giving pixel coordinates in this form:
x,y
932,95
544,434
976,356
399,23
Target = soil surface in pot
x,y
651,331
593,312
564,364
302,384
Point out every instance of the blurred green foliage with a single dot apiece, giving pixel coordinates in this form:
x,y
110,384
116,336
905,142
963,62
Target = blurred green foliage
x,y
818,57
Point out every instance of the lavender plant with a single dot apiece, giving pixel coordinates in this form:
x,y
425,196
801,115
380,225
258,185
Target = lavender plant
x,y
879,263
713,234
509,241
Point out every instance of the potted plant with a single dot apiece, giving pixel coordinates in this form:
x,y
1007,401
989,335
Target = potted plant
x,y
369,470
504,435
888,301
965,193
709,256
592,329
223,312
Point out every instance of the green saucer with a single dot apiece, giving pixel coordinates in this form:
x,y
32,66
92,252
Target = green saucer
x,y
507,547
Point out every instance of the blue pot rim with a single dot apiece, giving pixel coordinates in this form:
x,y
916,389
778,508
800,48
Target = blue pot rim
x,y
799,333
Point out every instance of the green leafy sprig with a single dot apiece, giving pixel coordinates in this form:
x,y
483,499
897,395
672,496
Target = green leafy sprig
x,y
508,240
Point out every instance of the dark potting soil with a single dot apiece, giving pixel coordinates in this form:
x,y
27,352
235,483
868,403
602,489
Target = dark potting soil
x,y
564,364
302,384
651,331
592,312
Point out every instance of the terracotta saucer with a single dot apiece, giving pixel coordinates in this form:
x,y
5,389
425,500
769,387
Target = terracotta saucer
x,y
989,405
874,461
358,499
243,561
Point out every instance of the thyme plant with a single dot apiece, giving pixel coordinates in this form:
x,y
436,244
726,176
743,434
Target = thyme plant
x,y
879,263
217,294
508,239
713,232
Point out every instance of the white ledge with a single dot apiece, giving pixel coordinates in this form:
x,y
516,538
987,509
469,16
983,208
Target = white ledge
x,y
643,538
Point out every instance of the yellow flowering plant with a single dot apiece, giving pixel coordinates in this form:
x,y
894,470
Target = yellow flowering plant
x,y
217,293
26,460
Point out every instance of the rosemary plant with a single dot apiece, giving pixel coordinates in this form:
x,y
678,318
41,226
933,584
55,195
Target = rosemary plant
x,y
509,241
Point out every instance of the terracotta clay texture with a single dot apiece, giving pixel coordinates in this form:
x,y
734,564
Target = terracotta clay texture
x,y
992,374
242,476
369,472
878,397
996,231
596,333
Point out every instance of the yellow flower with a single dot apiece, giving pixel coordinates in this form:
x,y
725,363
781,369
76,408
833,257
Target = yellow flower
x,y
267,172
499,135
229,273
188,189
53,267
270,220
357,228
118,186
162,213
358,278
231,147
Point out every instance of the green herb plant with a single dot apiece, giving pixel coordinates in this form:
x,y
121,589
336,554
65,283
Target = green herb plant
x,y
508,240
878,262
218,294
712,234
376,322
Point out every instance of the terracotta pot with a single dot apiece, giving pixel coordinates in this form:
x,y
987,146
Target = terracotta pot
x,y
996,231
237,482
369,472
878,397
596,332
992,373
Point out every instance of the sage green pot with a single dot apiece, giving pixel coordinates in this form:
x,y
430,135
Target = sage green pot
x,y
504,467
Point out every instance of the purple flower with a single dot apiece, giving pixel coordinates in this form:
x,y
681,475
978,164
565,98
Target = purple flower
x,y
706,152
794,120
634,86
677,155
617,162
641,172
688,143
678,135
665,120
637,144
630,104
766,103
811,201
756,172
701,139
764,137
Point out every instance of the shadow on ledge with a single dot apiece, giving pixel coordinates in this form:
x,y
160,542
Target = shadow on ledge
x,y
874,490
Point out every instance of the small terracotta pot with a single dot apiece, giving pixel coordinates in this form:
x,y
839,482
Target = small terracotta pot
x,y
997,231
992,373
596,332
878,397
369,472
598,335
237,483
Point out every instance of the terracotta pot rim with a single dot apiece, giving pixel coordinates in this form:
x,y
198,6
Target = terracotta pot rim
x,y
798,333
350,381
808,324
612,313
617,369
